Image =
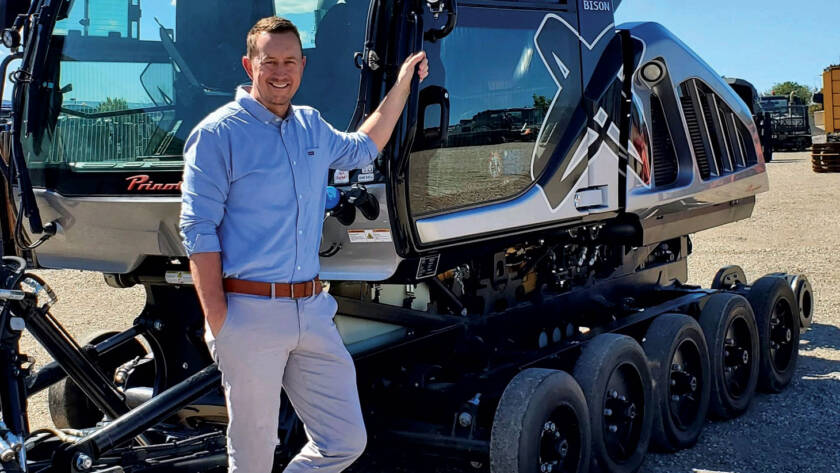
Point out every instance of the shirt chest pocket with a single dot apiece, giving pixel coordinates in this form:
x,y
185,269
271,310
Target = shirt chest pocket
x,y
316,167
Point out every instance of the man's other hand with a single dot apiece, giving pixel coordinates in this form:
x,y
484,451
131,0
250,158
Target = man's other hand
x,y
216,320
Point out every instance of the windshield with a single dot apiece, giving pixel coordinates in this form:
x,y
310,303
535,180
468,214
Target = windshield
x,y
778,106
133,77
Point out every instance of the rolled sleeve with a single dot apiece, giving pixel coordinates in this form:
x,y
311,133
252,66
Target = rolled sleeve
x,y
201,243
204,192
348,150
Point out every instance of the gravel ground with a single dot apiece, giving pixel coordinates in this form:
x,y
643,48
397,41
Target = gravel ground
x,y
796,228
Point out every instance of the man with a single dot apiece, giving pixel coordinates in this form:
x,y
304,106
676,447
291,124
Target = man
x,y
251,217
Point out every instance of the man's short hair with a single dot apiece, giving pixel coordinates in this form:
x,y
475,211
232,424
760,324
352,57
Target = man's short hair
x,y
270,24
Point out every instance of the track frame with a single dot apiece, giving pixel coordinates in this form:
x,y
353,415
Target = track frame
x,y
438,387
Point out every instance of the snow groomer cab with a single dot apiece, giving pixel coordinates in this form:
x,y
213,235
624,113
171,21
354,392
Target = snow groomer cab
x,y
510,272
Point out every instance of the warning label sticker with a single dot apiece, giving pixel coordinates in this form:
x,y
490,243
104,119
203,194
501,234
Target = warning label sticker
x,y
178,277
341,177
374,235
427,266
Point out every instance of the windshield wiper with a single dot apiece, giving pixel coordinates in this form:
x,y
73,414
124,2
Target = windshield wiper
x,y
181,64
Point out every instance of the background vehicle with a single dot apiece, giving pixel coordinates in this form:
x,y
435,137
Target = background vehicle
x,y
791,122
485,267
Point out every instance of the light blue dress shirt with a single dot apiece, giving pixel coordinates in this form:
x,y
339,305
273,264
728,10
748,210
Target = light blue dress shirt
x,y
254,187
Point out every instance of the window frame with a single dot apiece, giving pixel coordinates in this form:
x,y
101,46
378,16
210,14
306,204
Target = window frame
x,y
546,5
525,6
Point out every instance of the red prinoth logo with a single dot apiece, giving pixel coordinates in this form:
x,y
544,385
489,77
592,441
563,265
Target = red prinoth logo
x,y
142,182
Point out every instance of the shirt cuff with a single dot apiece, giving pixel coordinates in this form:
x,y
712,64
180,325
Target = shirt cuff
x,y
202,243
373,150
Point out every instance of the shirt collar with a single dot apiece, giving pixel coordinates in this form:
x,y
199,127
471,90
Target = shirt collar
x,y
258,110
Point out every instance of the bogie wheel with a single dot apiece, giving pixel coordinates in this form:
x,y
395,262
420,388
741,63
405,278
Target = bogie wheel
x,y
804,294
541,425
732,338
614,375
777,318
69,407
679,365
728,277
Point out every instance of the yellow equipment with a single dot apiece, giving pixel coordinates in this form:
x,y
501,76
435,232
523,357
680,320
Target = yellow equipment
x,y
831,94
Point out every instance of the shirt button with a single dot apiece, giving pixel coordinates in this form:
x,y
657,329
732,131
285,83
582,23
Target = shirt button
x,y
300,232
294,162
298,268
300,196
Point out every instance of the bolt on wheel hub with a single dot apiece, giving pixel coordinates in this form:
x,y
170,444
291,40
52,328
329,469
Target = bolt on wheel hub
x,y
563,448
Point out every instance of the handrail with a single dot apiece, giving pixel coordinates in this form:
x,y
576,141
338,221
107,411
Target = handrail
x,y
415,45
117,113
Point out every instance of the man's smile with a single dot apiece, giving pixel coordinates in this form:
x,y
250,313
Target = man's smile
x,y
279,85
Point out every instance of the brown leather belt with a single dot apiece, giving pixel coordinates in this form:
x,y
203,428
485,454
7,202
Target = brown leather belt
x,y
276,289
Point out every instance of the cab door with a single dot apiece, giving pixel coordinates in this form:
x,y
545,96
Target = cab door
x,y
503,136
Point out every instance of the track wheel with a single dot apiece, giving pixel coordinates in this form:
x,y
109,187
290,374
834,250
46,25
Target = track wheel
x,y
777,317
614,375
69,406
732,338
679,365
728,277
541,425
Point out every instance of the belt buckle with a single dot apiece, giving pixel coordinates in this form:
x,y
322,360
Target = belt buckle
x,y
292,286
273,291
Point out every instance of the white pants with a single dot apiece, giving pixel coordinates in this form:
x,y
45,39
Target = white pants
x,y
268,344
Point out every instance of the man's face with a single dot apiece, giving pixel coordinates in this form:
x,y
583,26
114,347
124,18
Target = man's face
x,y
276,70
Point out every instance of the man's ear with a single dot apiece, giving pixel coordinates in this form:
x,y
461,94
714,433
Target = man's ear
x,y
248,65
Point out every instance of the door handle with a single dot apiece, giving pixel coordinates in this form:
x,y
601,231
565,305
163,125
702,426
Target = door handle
x,y
432,95
451,9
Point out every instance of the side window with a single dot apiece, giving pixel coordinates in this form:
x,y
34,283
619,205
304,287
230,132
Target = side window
x,y
331,31
6,108
499,92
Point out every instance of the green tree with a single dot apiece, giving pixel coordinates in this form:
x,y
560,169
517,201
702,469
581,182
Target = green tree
x,y
541,102
112,105
785,88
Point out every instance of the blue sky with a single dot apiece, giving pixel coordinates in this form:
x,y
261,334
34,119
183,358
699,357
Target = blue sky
x,y
763,41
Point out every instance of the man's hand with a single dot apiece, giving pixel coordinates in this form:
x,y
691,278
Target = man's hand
x,y
216,321
381,122
408,67
206,271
